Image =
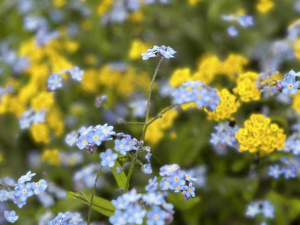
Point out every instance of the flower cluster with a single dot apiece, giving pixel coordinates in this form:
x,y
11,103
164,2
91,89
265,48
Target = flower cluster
x,y
93,136
133,208
228,105
23,189
224,135
55,81
288,171
67,218
198,93
260,207
156,51
260,135
246,87
241,19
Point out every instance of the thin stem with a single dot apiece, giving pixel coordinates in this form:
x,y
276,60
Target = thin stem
x,y
130,171
160,114
92,197
149,98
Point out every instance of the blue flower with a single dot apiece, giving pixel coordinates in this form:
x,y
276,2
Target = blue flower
x,y
153,198
289,172
232,31
119,203
82,142
189,190
95,137
163,51
71,138
252,209
10,216
39,116
267,209
148,156
76,73
39,186
46,199
156,216
131,142
152,186
147,169
23,191
167,170
136,214
122,146
246,21
131,196
108,158
165,184
19,202
119,218
26,177
290,85
274,171
54,82
177,180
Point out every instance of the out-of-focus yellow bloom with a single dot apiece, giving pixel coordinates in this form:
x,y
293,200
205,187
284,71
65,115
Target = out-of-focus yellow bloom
x,y
260,135
86,25
208,67
137,48
193,2
43,100
296,103
233,65
40,133
246,87
297,49
228,105
89,81
51,156
137,17
264,6
1,158
179,76
155,131
55,122
90,59
104,7
59,3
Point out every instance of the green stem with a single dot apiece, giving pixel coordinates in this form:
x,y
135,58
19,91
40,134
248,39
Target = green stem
x,y
149,98
130,171
92,197
159,115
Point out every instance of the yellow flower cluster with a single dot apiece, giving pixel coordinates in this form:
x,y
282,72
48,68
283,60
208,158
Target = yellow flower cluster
x,y
297,49
40,133
228,105
246,87
260,136
209,67
104,7
137,48
155,131
51,156
264,6
296,103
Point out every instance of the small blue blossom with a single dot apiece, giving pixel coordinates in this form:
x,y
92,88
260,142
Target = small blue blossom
x,y
246,21
147,169
289,172
23,191
108,158
274,171
267,209
26,177
39,186
119,218
152,186
163,51
167,170
165,184
156,216
153,198
189,191
252,209
82,142
232,31
290,85
10,216
122,146
71,138
76,73
54,82
136,214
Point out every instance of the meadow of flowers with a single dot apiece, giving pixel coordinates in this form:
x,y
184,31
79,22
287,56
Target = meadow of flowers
x,y
150,112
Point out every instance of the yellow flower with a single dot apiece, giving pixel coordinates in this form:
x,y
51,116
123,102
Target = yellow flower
x,y
1,158
296,103
59,3
51,156
137,48
246,87
297,49
55,122
40,133
264,6
104,7
155,131
193,2
43,100
228,105
261,136
180,76
234,65
137,17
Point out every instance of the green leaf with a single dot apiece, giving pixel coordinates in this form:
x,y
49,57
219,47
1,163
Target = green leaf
x,y
101,205
121,177
179,202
